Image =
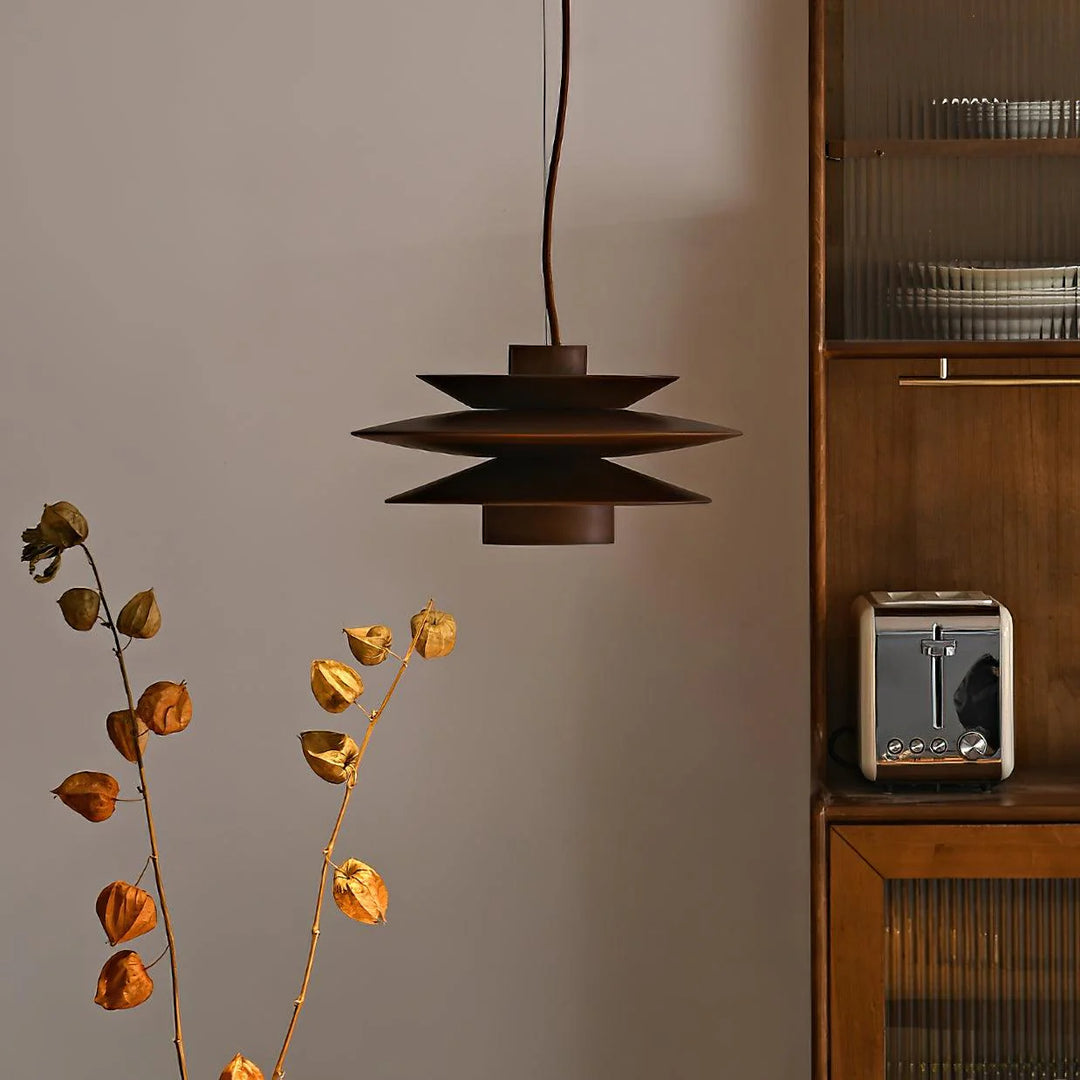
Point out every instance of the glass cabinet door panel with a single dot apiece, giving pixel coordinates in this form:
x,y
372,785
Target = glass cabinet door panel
x,y
982,981
922,69
954,952
953,149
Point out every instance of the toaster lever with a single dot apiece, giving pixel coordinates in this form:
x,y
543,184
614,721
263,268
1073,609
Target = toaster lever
x,y
937,648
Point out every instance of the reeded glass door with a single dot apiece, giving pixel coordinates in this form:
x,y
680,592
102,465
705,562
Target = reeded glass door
x,y
955,952
953,162
982,979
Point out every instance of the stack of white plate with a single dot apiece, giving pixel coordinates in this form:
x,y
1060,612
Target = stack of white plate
x,y
991,118
954,302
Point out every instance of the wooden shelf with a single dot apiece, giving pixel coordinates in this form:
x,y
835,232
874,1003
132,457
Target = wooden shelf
x,y
1031,796
934,350
841,149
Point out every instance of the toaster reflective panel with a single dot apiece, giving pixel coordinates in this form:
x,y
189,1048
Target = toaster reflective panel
x,y
935,682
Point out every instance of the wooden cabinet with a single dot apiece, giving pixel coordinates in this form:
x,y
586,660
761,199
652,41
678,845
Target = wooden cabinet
x,y
946,961
945,223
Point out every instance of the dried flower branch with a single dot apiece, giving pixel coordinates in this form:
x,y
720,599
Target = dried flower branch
x,y
358,890
151,828
164,708
125,910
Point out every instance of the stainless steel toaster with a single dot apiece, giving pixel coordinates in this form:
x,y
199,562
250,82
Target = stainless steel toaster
x,y
935,687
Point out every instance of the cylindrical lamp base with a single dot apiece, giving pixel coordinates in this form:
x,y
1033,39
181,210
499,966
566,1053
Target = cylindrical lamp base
x,y
549,359
549,525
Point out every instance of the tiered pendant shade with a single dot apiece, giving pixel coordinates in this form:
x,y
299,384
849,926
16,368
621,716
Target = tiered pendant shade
x,y
548,428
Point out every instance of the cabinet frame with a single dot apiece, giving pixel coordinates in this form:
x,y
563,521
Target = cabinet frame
x,y
857,832
861,859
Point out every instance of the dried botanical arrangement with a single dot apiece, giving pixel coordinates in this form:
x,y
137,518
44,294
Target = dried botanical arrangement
x,y
127,911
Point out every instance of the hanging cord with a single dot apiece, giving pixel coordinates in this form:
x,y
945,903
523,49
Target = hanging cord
x,y
553,170
544,131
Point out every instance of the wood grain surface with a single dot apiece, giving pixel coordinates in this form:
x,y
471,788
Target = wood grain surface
x,y
974,488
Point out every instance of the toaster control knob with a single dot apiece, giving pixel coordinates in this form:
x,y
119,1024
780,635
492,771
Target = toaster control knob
x,y
895,747
973,745
939,746
916,746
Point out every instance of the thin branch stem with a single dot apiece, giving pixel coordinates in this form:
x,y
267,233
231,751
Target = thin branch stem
x,y
155,858
376,713
143,871
328,851
298,1004
160,955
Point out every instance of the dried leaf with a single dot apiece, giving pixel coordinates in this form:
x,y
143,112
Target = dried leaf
x,y
92,794
335,686
125,911
370,644
240,1068
331,754
124,982
49,572
437,638
165,707
80,608
121,727
61,526
360,892
140,617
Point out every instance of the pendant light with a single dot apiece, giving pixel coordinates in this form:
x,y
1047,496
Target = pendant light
x,y
548,427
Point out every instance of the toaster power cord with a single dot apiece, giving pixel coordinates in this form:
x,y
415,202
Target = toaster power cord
x,y
834,738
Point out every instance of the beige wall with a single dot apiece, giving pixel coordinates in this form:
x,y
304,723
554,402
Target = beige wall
x,y
233,232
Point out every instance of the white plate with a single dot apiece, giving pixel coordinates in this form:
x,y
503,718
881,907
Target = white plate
x,y
992,278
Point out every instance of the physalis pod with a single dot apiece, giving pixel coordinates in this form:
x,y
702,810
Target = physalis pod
x,y
124,982
240,1068
92,794
125,911
331,754
437,637
140,617
370,644
122,727
360,892
80,608
335,685
165,707
61,527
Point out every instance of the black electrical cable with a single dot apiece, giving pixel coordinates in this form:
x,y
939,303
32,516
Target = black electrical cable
x,y
834,738
553,176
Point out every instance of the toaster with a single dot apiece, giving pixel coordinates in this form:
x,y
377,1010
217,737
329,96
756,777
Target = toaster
x,y
935,687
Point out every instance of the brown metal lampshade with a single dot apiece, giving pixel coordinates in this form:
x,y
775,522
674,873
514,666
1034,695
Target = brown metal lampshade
x,y
548,428
548,425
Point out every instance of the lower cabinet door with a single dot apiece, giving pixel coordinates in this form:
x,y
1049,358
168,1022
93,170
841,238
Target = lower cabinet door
x,y
954,952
